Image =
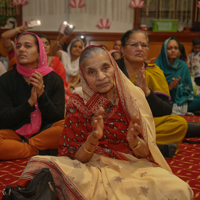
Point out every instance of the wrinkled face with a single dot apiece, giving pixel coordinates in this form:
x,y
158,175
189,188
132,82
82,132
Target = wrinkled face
x,y
46,45
76,49
172,49
99,73
118,45
136,48
196,48
26,51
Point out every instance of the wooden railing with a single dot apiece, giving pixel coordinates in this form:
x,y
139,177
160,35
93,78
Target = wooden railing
x,y
156,39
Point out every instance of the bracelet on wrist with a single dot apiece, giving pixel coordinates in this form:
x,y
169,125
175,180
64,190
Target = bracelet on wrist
x,y
92,144
57,42
137,145
86,149
18,30
7,47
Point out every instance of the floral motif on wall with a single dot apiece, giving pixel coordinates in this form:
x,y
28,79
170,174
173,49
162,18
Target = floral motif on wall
x,y
103,23
137,4
198,4
77,4
19,2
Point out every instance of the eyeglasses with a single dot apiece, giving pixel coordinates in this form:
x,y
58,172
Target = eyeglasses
x,y
135,45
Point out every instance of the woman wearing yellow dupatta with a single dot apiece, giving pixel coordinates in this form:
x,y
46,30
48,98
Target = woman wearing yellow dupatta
x,y
107,149
170,129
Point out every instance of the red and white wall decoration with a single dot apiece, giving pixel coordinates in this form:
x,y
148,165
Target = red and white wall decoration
x,y
198,4
19,2
137,4
103,23
77,4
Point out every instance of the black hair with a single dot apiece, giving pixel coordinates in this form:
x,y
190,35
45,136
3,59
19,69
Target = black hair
x,y
44,36
126,35
35,38
182,50
196,41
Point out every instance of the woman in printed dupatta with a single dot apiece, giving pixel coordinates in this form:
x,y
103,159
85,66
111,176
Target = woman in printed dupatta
x,y
107,149
32,99
178,77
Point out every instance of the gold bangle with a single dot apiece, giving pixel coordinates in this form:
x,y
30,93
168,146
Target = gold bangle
x,y
86,149
92,144
18,30
137,145
8,47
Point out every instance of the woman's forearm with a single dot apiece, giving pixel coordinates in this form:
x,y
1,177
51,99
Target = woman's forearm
x,y
11,33
86,151
58,44
142,151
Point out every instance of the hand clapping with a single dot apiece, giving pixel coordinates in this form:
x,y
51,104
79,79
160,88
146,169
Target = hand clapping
x,y
38,87
37,81
173,84
141,82
134,129
98,124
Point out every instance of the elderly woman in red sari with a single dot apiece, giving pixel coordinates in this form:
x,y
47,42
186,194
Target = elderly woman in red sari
x,y
107,149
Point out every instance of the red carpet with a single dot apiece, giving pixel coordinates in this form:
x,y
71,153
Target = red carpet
x,y
10,172
189,118
186,165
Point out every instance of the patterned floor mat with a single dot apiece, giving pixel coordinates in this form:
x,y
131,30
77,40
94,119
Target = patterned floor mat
x,y
186,165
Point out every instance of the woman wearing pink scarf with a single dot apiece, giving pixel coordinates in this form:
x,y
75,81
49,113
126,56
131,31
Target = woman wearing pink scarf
x,y
32,99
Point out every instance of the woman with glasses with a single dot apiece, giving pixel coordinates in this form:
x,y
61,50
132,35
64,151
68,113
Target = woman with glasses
x,y
170,129
178,77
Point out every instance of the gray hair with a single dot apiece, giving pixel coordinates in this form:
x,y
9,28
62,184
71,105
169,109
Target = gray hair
x,y
91,52
126,35
72,44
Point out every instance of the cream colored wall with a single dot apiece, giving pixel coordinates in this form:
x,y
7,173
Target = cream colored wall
x,y
53,12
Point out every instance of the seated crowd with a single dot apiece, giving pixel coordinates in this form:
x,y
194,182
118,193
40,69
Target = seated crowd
x,y
110,118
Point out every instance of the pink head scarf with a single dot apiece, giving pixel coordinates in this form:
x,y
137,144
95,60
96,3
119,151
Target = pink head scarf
x,y
36,120
42,65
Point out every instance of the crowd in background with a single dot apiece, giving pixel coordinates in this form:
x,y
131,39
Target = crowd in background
x,y
99,107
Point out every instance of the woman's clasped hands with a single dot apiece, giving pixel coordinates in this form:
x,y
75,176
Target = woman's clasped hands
x,y
38,87
141,82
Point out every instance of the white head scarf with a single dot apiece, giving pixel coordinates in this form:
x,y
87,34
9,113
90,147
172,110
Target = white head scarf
x,y
71,68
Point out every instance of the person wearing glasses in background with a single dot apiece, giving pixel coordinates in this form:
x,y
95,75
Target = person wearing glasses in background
x,y
170,129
